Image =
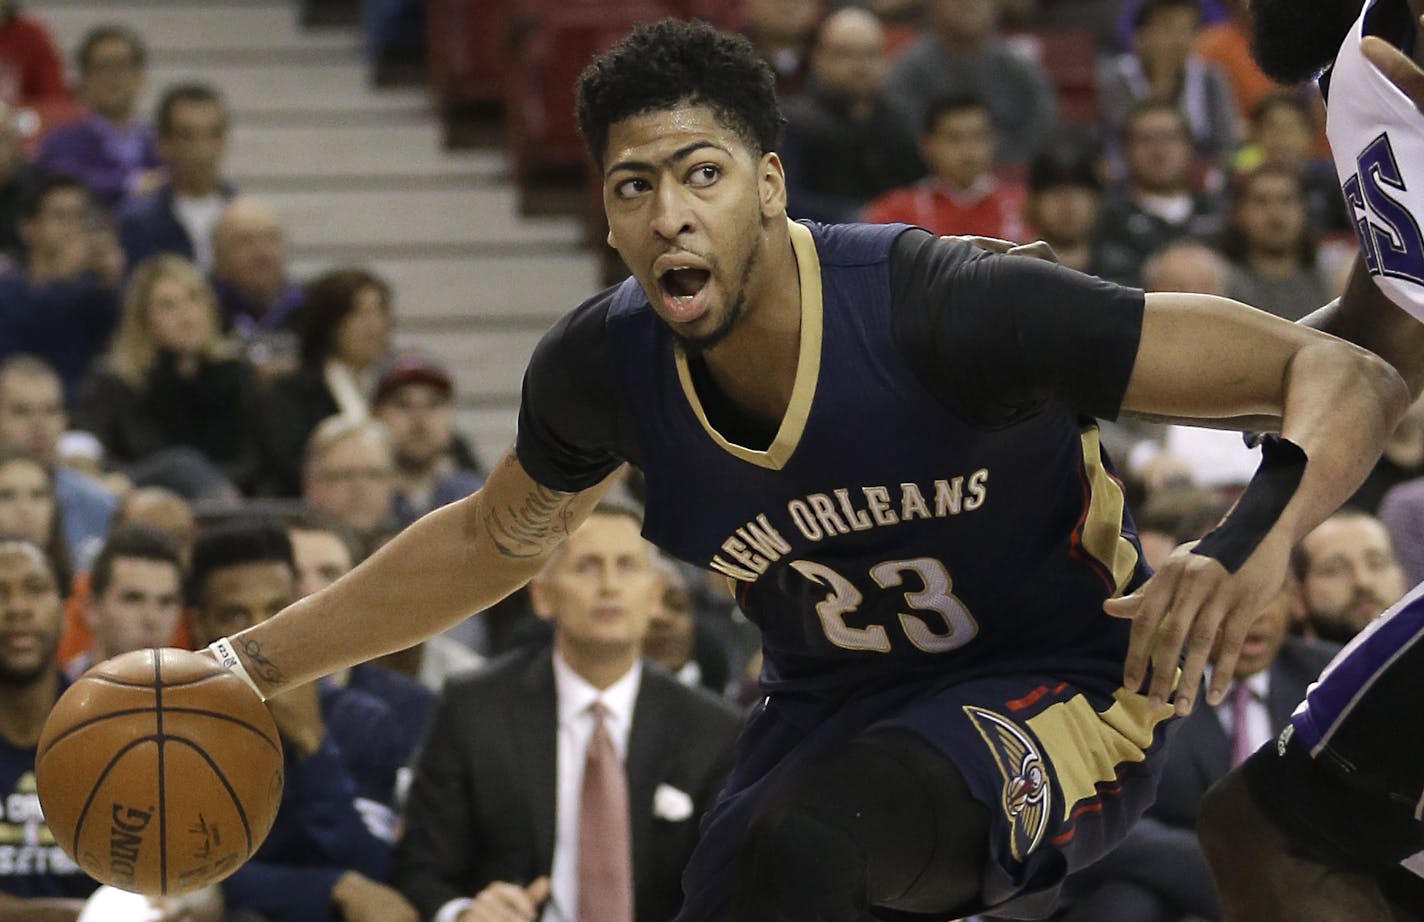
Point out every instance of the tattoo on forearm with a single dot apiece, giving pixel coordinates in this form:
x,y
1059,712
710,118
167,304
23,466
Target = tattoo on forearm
x,y
526,531
260,664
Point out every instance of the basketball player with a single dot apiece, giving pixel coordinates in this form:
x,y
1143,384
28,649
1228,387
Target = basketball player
x,y
884,440
1315,825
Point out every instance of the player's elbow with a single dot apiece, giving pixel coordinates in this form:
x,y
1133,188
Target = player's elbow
x,y
1366,379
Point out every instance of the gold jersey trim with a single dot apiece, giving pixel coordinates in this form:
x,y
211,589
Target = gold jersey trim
x,y
1102,526
808,366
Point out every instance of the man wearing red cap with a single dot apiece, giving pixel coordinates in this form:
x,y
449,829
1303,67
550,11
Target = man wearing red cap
x,y
413,399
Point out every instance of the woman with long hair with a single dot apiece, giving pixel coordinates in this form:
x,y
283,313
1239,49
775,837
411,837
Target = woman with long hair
x,y
173,402
345,328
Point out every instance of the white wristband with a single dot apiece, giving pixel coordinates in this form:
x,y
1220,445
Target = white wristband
x,y
227,658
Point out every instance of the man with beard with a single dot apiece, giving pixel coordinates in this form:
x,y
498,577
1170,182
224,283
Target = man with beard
x,y
1346,575
37,880
884,440
1271,245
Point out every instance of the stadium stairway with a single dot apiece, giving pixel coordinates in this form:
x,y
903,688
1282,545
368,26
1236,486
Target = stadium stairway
x,y
360,178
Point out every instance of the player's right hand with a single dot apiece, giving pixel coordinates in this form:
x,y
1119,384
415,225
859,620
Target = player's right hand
x,y
505,902
1397,67
1191,606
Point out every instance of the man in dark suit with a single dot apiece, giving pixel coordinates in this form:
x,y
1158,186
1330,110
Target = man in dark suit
x,y
547,751
1158,873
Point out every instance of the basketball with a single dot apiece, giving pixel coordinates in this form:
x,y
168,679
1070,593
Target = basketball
x,y
159,772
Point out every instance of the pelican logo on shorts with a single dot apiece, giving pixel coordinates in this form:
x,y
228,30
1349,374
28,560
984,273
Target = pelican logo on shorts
x,y
1025,797
125,840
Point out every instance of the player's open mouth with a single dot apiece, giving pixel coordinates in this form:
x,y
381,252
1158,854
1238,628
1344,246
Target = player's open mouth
x,y
684,290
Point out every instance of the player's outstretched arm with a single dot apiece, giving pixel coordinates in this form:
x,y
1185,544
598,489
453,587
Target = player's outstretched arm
x,y
1202,357
453,561
1366,316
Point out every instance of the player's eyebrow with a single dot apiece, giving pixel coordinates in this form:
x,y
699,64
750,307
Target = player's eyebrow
x,y
679,154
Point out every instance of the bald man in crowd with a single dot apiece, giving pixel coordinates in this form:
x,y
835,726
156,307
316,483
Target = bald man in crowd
x,y
255,295
846,139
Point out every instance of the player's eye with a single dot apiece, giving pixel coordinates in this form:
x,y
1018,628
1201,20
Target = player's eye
x,y
631,187
703,175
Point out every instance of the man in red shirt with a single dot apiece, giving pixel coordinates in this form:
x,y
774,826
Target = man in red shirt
x,y
961,195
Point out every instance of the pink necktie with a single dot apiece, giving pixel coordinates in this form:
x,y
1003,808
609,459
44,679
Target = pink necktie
x,y
605,858
1241,747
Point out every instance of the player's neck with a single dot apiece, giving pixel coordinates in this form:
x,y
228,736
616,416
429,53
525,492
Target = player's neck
x,y
755,366
26,708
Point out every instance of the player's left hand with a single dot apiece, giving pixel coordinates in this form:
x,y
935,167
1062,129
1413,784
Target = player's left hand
x,y
1038,249
1193,605
1397,67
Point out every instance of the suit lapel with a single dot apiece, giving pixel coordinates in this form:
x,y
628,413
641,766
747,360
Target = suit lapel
x,y
535,725
644,764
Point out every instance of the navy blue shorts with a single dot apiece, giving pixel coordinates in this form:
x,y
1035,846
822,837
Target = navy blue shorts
x,y
1345,781
1063,772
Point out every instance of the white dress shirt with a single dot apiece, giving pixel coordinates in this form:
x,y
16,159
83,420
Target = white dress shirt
x,y
1259,728
575,696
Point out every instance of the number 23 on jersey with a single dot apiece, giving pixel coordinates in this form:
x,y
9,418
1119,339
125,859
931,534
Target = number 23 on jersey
x,y
936,623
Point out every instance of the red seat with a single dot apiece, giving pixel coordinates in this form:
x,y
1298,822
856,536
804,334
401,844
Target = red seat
x,y
1069,57
541,129
467,45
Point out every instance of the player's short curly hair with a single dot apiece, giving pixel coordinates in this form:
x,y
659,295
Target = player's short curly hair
x,y
660,65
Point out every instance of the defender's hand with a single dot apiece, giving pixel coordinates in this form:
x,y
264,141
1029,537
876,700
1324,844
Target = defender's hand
x,y
505,902
1189,602
1397,67
1038,249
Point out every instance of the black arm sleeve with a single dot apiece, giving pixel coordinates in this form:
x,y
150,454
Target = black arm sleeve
x,y
996,337
573,431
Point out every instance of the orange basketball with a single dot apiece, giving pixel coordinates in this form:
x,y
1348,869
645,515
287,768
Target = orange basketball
x,y
159,772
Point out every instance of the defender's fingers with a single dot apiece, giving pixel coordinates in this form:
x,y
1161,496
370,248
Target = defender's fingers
x,y
1397,67
1038,249
1223,669
993,244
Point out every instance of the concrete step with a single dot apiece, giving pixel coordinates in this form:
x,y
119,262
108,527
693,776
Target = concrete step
x,y
534,290
485,363
403,148
414,221
222,29
295,88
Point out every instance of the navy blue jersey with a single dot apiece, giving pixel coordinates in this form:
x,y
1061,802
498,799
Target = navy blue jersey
x,y
31,864
935,499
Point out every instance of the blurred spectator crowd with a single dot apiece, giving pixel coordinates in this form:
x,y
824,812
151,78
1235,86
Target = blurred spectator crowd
x,y
193,438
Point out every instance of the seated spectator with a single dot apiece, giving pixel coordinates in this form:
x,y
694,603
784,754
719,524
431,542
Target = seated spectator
x,y
257,300
962,53
1346,575
32,417
37,879
348,475
1227,44
1064,197
180,215
135,596
16,183
63,302
781,30
29,510
172,402
961,195
480,835
345,334
330,845
323,553
412,400
30,67
680,641
1272,247
111,150
1158,874
151,509
1162,66
1281,133
1154,204
845,140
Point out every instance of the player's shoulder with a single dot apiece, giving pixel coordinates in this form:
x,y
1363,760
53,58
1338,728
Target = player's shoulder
x,y
848,245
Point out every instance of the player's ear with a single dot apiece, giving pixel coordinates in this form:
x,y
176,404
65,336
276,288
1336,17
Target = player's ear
x,y
771,186
611,242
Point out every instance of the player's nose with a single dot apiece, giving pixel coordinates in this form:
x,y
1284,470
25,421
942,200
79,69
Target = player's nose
x,y
671,213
